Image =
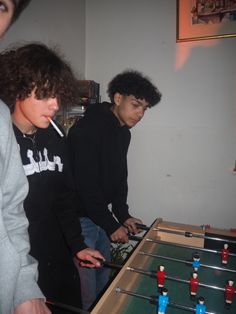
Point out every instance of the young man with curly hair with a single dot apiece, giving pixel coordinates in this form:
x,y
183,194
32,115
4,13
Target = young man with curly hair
x,y
98,145
34,82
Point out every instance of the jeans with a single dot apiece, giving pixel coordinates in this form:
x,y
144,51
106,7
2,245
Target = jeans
x,y
93,280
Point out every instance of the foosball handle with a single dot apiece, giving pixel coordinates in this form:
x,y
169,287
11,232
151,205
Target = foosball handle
x,y
142,226
103,263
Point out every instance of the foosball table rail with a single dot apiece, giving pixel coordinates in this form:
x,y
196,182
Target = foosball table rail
x,y
115,302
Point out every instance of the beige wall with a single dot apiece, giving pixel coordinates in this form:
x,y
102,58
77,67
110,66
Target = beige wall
x,y
182,153
54,22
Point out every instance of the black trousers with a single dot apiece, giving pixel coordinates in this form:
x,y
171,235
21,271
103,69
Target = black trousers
x,y
60,283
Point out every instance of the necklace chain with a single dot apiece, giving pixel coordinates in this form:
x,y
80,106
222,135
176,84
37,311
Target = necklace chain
x,y
30,137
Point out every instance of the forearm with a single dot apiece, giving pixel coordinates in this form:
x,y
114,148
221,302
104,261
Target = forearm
x,y
100,214
120,207
14,188
68,218
121,212
87,148
17,229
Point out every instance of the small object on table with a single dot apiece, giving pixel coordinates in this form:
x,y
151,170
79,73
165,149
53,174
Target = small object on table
x,y
163,301
193,285
196,261
229,293
200,307
161,276
225,254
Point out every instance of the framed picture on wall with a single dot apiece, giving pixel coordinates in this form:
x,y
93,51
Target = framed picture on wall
x,y
205,19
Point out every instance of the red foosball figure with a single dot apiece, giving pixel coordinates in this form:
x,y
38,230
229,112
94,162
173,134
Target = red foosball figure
x,y
161,276
225,254
193,284
229,292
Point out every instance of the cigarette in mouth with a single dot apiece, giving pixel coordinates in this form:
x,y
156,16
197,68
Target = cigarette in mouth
x,y
55,127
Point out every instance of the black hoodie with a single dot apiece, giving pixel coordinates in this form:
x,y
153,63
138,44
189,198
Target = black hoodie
x,y
98,146
50,205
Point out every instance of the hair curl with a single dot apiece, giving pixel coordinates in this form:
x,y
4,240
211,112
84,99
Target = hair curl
x,y
134,83
35,67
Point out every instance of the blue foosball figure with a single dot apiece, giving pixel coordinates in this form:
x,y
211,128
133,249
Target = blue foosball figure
x,y
200,307
196,261
163,301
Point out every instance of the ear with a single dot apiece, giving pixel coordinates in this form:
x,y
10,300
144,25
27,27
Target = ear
x,y
117,99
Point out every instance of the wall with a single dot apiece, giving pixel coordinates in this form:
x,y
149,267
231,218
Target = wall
x,y
182,154
56,23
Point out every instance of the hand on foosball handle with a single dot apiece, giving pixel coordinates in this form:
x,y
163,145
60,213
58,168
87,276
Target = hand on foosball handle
x,y
132,225
120,235
86,263
134,237
103,263
90,258
142,226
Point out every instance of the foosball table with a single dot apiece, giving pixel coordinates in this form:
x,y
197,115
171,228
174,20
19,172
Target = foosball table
x,y
164,260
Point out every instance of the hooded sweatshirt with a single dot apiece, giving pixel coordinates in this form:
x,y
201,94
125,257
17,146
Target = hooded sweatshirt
x,y
98,147
54,228
17,268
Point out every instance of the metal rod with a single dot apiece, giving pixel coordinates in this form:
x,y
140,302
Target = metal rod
x,y
186,246
119,290
194,235
67,307
153,274
187,262
186,234
141,271
154,300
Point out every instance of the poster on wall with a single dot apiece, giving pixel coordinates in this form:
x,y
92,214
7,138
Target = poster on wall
x,y
205,19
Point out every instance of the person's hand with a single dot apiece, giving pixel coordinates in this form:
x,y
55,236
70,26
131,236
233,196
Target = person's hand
x,y
34,306
120,235
130,224
90,258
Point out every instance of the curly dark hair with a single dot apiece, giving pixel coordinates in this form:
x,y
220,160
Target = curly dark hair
x,y
20,5
36,67
134,83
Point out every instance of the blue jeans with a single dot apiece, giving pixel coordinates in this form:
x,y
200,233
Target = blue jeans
x,y
93,280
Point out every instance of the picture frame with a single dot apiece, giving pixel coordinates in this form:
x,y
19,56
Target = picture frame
x,y
205,19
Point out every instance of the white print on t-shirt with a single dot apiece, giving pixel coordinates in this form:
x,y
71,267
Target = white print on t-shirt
x,y
43,164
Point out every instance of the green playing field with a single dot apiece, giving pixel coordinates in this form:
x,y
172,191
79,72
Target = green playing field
x,y
179,292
